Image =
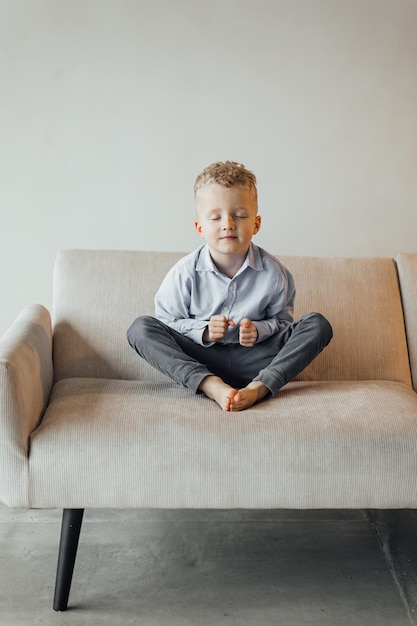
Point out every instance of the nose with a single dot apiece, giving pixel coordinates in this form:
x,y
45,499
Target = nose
x,y
228,222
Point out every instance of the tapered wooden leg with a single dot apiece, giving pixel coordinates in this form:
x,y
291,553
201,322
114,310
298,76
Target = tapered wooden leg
x,y
70,533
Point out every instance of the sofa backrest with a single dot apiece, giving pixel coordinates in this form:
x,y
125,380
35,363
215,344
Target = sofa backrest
x,y
361,298
97,295
407,271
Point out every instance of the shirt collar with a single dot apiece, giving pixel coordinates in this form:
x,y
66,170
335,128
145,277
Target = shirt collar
x,y
253,260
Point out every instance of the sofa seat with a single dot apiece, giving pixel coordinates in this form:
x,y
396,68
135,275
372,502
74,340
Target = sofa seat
x,y
320,444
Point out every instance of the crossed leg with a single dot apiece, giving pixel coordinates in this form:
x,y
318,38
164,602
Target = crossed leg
x,y
233,376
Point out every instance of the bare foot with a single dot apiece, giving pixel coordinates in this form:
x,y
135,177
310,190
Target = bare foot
x,y
248,396
216,389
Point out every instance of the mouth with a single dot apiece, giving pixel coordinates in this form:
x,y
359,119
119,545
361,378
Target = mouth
x,y
228,238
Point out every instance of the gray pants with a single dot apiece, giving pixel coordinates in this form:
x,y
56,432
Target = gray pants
x,y
274,362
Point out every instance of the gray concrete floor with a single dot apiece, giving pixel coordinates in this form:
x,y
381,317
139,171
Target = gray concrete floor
x,y
203,568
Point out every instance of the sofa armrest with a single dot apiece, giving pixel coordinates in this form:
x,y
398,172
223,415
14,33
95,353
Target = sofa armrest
x,y
26,376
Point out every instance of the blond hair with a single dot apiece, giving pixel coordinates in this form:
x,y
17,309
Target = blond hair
x,y
227,174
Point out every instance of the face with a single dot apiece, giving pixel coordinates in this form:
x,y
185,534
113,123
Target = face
x,y
227,219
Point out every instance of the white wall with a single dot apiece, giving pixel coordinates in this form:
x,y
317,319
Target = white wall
x,y
109,109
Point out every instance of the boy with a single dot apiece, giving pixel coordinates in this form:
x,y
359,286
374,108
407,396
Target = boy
x,y
224,314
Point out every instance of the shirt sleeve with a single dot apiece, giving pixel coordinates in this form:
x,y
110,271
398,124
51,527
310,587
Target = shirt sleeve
x,y
280,309
172,305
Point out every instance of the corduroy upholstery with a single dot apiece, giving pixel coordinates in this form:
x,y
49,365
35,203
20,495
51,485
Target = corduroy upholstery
x,y
98,294
100,428
26,375
407,269
319,445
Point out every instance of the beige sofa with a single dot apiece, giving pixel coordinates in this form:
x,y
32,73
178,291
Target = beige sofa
x,y
85,423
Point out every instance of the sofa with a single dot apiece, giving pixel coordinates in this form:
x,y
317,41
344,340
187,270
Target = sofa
x,y
85,423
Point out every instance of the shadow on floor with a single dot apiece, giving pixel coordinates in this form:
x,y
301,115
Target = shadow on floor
x,y
249,568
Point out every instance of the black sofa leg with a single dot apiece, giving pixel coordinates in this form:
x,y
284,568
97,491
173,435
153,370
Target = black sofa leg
x,y
70,533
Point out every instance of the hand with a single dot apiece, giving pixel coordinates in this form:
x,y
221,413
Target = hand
x,y
248,333
217,328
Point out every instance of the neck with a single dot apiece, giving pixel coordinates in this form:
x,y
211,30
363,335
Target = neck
x,y
228,264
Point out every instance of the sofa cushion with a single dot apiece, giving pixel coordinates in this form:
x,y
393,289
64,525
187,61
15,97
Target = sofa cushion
x,y
97,295
122,444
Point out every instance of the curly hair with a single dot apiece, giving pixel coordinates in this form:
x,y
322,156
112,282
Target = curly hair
x,y
227,174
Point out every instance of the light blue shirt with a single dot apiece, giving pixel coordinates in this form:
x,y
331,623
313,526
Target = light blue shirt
x,y
194,289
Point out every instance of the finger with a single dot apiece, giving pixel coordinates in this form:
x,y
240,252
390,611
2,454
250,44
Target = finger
x,y
218,318
220,322
246,343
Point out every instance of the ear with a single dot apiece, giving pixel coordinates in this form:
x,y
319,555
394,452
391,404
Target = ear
x,y
257,227
199,228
